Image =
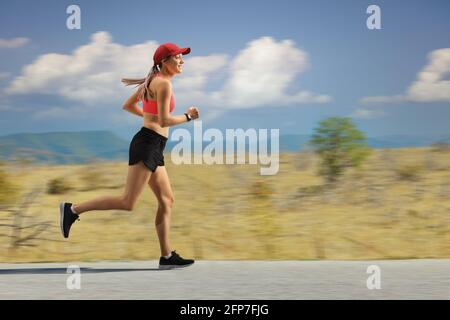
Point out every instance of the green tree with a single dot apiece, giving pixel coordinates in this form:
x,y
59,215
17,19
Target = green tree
x,y
340,145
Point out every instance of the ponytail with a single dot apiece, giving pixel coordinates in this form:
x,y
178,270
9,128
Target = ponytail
x,y
143,83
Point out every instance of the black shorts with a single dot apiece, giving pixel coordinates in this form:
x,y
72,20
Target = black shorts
x,y
148,146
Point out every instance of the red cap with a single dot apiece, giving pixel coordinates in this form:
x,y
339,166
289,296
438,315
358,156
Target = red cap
x,y
168,49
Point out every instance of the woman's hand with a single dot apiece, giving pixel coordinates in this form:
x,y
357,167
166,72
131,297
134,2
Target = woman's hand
x,y
193,112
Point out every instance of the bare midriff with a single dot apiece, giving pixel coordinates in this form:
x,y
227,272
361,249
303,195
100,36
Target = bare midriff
x,y
151,122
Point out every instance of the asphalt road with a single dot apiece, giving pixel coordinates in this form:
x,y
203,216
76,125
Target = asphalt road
x,y
291,280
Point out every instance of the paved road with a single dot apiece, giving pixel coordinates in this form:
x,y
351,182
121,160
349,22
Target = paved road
x,y
402,279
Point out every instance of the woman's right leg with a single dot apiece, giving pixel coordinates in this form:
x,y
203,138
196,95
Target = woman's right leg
x,y
138,177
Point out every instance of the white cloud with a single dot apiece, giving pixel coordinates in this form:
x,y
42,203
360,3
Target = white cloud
x,y
258,76
91,74
430,85
13,43
367,114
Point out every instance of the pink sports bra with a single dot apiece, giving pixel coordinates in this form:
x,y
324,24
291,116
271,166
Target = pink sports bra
x,y
150,106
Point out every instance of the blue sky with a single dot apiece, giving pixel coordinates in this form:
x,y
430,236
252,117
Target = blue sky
x,y
254,64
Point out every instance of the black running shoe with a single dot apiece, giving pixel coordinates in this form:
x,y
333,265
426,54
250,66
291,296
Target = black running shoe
x,y
67,218
175,261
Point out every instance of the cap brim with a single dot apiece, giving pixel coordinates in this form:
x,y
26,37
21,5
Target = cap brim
x,y
185,51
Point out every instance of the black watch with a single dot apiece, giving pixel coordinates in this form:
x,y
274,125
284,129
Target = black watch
x,y
188,117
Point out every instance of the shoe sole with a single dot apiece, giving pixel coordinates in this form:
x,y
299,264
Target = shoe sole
x,y
171,266
61,220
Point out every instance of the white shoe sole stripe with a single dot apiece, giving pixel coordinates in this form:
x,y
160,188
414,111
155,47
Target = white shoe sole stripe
x,y
172,266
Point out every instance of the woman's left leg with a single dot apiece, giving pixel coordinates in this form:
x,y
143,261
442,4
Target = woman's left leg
x,y
160,184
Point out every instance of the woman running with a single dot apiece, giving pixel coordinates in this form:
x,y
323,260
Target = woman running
x,y
146,160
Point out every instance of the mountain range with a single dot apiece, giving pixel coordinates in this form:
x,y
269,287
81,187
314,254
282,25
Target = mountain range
x,y
86,146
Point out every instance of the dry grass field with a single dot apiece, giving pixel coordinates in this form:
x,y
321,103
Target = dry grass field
x,y
396,206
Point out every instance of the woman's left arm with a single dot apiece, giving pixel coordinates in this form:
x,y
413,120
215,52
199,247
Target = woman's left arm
x,y
131,105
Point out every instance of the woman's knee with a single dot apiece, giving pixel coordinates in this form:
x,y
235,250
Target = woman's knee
x,y
167,201
127,204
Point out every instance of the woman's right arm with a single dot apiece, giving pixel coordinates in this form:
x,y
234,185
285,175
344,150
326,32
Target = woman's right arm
x,y
163,96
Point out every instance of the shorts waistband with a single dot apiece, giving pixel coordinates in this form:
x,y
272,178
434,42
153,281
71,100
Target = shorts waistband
x,y
152,132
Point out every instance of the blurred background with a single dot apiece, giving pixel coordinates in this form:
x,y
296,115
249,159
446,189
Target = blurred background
x,y
363,115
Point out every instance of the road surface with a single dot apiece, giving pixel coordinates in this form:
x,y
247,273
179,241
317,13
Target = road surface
x,y
291,280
